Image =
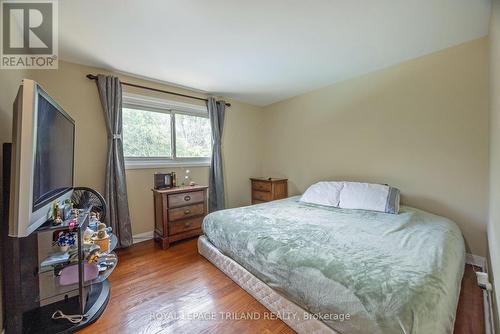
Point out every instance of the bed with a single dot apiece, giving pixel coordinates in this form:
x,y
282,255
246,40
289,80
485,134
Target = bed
x,y
329,270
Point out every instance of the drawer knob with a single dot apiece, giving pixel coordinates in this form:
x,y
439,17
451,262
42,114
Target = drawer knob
x,y
187,225
187,198
187,212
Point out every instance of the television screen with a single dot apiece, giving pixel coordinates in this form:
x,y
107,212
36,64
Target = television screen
x,y
54,149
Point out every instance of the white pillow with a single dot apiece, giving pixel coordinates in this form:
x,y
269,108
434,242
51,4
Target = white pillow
x,y
369,196
323,193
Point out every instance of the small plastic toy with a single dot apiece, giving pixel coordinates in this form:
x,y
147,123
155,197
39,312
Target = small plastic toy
x,y
72,224
102,238
93,255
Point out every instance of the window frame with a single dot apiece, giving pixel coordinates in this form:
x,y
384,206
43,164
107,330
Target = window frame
x,y
135,101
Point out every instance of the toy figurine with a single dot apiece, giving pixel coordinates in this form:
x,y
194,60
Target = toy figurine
x,y
75,213
72,224
55,210
56,214
66,209
187,178
57,221
93,255
101,231
87,235
90,248
102,238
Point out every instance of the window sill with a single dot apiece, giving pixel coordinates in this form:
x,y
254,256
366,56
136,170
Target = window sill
x,y
150,164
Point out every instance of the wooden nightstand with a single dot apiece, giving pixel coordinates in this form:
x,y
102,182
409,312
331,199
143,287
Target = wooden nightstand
x,y
179,213
268,189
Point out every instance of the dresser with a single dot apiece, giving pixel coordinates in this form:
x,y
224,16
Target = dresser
x,y
268,189
179,213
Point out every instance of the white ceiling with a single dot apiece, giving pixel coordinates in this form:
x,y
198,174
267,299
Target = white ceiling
x,y
261,51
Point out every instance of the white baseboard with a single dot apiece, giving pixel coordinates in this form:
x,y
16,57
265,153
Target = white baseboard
x,y
480,261
488,312
476,260
142,237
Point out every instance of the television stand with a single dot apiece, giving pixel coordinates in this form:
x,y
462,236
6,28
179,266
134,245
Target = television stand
x,y
24,311
39,320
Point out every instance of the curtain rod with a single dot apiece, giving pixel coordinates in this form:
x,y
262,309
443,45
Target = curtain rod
x,y
94,77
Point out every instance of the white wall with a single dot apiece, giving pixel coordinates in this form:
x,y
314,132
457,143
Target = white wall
x,y
494,203
421,126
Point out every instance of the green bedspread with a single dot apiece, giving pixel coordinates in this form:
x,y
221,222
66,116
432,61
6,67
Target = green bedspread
x,y
387,273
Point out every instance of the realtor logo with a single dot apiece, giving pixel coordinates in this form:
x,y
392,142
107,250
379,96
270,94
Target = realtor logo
x,y
29,34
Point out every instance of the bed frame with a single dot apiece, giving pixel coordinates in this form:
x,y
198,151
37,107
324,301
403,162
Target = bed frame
x,y
286,310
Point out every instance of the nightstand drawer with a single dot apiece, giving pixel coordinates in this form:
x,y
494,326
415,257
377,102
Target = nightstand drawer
x,y
265,189
261,195
179,212
186,212
183,199
185,225
262,186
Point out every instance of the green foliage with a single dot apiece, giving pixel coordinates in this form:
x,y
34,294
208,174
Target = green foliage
x,y
193,136
148,134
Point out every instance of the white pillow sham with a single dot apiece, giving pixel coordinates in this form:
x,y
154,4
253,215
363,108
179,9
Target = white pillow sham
x,y
354,195
369,196
323,193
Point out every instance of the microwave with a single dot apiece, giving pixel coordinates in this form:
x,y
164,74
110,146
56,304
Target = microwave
x,y
164,180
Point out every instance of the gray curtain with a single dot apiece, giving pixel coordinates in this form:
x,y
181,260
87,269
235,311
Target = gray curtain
x,y
117,215
216,111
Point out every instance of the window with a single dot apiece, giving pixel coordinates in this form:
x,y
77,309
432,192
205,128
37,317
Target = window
x,y
159,133
193,136
146,134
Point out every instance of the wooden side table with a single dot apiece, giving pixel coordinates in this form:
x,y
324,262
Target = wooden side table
x,y
268,189
179,213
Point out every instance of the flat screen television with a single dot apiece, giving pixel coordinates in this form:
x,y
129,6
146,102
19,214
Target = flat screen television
x,y
42,158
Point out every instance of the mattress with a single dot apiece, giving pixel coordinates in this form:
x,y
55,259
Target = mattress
x,y
293,315
356,271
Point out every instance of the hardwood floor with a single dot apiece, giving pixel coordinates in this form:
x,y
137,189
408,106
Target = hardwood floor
x,y
152,289
470,311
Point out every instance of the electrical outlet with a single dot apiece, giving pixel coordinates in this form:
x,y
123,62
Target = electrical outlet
x,y
483,281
